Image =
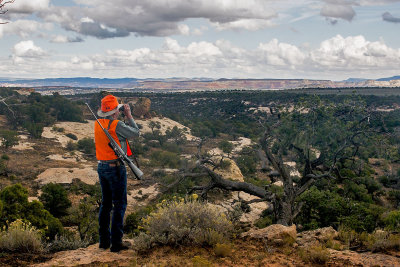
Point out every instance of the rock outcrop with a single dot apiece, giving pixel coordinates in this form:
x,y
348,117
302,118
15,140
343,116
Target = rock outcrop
x,y
316,237
275,234
140,107
90,255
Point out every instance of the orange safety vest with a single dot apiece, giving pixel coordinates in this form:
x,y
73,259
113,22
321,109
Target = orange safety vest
x,y
103,150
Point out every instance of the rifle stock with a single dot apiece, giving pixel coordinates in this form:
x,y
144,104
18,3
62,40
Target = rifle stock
x,y
118,150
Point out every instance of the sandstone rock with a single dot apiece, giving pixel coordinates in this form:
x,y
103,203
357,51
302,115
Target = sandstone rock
x,y
232,172
165,124
66,175
314,237
351,258
141,107
276,234
89,255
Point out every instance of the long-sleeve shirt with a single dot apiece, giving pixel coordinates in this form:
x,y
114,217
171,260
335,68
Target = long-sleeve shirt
x,y
125,131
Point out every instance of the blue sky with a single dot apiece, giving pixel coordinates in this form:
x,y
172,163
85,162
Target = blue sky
x,y
314,39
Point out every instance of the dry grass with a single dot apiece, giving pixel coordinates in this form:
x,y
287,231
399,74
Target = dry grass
x,y
21,237
315,254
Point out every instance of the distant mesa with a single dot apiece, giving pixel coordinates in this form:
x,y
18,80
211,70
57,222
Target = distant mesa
x,y
390,78
80,85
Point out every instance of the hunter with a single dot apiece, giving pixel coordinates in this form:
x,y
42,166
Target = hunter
x,y
112,171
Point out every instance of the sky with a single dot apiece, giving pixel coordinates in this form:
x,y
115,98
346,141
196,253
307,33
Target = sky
x,y
280,39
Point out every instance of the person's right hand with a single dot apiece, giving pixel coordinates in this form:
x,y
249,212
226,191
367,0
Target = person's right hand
x,y
127,111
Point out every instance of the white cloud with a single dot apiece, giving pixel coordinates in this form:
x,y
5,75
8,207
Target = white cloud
x,y
355,52
24,28
184,29
243,24
199,31
336,58
27,50
28,6
65,39
281,54
158,18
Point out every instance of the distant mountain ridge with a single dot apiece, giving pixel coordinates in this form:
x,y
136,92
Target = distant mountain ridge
x,y
179,83
390,78
77,81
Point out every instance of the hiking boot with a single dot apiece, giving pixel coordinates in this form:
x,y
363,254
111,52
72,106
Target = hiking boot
x,y
104,245
119,247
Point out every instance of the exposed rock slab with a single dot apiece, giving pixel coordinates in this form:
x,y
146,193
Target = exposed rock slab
x,y
351,258
314,237
165,123
66,175
89,255
142,196
275,234
81,130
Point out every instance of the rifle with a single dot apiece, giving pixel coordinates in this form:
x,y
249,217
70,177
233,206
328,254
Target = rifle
x,y
118,150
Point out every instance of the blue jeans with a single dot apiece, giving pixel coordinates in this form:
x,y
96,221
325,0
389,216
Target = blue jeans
x,y
113,189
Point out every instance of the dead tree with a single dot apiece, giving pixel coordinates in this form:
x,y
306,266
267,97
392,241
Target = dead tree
x,y
285,206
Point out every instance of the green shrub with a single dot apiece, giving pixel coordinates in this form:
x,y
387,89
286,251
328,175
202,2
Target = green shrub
x,y
72,136
8,138
86,145
225,146
327,208
71,146
184,222
85,216
132,221
247,164
263,222
394,198
16,206
392,221
5,157
165,159
58,129
21,237
55,199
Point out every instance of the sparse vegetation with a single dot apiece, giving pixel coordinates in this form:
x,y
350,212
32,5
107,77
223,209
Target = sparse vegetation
x,y
16,206
66,242
184,222
21,237
315,254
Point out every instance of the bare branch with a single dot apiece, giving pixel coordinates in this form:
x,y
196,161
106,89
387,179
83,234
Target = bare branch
x,y
181,178
222,183
8,107
2,5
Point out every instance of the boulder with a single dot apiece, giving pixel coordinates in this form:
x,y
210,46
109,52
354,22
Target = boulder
x,y
315,237
276,234
231,172
140,107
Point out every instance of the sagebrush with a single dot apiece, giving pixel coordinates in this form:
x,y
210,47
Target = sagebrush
x,y
184,222
21,237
